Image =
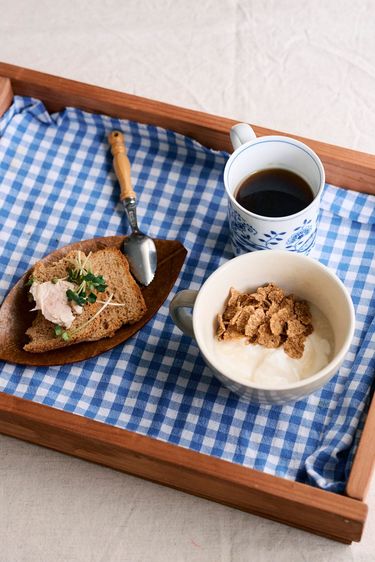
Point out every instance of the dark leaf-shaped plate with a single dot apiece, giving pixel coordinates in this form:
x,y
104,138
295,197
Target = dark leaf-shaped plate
x,y
15,315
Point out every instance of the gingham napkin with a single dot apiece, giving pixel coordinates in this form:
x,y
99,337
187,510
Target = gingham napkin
x,y
57,187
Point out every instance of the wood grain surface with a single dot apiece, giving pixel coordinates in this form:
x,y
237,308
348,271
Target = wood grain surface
x,y
323,513
364,461
121,164
6,94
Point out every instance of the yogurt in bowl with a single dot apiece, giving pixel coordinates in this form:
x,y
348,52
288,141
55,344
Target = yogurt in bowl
x,y
272,367
268,377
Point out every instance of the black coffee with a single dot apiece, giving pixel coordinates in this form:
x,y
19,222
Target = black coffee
x,y
274,193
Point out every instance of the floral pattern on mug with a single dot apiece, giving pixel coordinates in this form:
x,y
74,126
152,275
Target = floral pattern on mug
x,y
303,238
272,238
245,238
236,222
241,232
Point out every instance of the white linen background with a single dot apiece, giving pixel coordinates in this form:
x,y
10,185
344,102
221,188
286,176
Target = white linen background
x,y
303,67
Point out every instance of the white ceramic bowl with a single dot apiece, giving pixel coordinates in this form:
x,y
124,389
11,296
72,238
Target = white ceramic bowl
x,y
305,277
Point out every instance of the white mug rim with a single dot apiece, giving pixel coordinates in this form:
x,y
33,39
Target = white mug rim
x,y
269,138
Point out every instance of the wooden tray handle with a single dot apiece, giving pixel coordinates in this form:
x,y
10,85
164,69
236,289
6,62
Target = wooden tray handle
x,y
121,164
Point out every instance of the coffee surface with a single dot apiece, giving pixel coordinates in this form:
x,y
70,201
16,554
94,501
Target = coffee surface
x,y
274,192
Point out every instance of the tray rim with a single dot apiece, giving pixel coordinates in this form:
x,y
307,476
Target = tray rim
x,y
338,517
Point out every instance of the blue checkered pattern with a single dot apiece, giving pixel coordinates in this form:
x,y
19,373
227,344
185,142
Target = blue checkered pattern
x,y
57,187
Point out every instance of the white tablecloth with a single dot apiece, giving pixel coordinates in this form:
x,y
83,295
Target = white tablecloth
x,y
303,67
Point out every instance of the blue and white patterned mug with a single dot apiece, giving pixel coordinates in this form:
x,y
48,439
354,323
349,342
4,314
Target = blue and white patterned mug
x,y
250,231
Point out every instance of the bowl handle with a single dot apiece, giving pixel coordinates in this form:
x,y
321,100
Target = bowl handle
x,y
183,319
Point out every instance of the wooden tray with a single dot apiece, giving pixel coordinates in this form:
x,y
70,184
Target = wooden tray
x,y
339,517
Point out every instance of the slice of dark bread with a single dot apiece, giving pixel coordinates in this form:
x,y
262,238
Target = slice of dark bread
x,y
114,267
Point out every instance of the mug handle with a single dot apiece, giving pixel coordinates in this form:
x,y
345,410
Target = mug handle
x,y
182,319
241,133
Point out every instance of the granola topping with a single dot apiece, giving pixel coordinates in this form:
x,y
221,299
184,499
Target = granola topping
x,y
267,317
288,349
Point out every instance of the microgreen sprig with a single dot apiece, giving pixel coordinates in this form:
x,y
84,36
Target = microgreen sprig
x,y
60,332
86,281
65,335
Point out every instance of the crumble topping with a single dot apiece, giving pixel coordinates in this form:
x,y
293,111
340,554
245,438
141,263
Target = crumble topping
x,y
267,317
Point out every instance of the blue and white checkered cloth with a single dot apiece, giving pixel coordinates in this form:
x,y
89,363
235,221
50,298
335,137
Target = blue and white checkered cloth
x,y
57,187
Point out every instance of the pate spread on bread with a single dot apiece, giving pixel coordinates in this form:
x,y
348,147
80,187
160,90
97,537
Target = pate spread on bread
x,y
113,299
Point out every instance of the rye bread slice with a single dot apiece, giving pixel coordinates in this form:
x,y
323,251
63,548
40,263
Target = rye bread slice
x,y
114,267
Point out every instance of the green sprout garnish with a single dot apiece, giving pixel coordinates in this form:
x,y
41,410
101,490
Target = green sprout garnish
x,y
86,281
82,276
60,332
76,297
